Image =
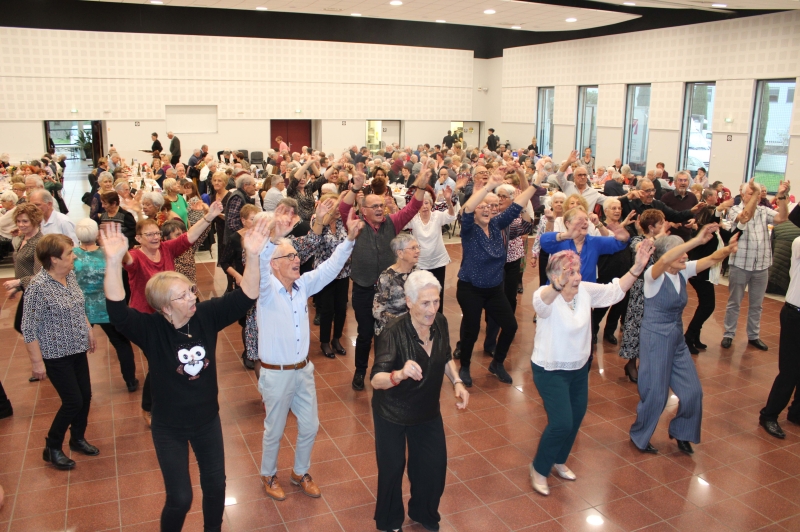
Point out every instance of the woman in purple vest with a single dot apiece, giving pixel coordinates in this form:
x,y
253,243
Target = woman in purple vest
x,y
664,359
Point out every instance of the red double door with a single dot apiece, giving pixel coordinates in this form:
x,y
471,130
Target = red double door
x,y
295,133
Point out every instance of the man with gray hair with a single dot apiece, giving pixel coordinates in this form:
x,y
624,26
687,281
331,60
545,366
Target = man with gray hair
x,y
679,199
275,193
240,196
613,186
286,379
53,222
580,182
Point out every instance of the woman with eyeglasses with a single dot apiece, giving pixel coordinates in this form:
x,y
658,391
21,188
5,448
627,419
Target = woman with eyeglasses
x,y
180,340
390,299
152,257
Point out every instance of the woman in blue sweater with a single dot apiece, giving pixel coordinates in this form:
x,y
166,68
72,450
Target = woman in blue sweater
x,y
480,279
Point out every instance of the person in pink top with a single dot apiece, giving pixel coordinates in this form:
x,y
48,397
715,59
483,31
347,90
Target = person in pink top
x,y
372,254
152,257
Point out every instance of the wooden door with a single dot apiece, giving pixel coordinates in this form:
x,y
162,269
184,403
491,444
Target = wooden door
x,y
295,133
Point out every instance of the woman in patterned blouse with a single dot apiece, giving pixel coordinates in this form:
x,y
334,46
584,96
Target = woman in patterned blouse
x,y
300,192
58,336
390,297
27,218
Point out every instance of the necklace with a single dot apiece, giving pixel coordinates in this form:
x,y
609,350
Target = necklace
x,y
187,330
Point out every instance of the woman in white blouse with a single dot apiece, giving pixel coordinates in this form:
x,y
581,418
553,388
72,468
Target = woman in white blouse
x,y
426,227
561,353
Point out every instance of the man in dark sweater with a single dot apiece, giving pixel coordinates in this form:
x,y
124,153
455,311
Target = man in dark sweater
x,y
613,187
372,254
491,141
156,143
448,140
643,198
174,148
680,199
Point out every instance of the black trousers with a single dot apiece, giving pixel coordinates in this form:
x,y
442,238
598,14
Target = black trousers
x,y
172,451
513,275
616,315
124,349
543,258
439,274
706,301
473,301
147,397
175,160
332,308
18,314
788,380
4,402
427,468
70,378
362,308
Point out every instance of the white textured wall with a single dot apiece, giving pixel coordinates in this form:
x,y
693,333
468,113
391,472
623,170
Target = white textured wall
x,y
732,53
337,137
419,132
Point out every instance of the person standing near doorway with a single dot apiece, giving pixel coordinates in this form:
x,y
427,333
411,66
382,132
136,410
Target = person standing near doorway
x,y
174,148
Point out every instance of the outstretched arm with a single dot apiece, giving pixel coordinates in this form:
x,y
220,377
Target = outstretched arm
x,y
196,231
703,236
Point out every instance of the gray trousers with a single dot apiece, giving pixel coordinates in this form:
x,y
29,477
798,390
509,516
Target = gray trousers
x,y
282,391
664,363
756,284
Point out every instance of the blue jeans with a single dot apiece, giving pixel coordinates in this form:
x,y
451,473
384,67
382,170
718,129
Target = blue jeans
x,y
172,451
565,394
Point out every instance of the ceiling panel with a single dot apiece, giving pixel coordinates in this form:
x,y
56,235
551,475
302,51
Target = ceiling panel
x,y
706,4
528,15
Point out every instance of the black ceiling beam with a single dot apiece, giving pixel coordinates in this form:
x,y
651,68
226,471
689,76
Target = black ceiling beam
x,y
485,42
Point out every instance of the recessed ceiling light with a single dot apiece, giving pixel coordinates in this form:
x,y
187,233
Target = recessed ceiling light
x,y
572,20
719,5
395,3
441,21
156,2
516,27
355,14
628,4
489,12
261,8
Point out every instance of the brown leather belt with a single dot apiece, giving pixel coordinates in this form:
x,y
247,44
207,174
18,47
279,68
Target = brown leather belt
x,y
299,365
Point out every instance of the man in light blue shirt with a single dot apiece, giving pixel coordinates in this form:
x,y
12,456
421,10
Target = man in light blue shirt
x,y
286,381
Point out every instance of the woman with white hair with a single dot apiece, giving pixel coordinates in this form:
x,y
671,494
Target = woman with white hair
x,y
561,350
90,267
389,301
665,361
426,226
412,355
546,225
129,202
105,182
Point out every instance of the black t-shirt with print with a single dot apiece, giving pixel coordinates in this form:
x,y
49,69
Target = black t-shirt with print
x,y
183,369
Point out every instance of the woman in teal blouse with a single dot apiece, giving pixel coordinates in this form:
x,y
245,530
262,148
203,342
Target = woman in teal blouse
x,y
90,268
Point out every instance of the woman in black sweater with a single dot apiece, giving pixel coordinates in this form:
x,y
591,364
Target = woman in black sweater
x,y
412,355
180,341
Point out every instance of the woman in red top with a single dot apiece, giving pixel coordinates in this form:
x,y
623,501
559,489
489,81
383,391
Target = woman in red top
x,y
152,257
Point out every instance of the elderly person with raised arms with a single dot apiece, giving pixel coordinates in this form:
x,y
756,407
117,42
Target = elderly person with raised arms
x,y
390,301
665,361
286,381
480,278
58,336
580,182
412,355
561,351
426,227
180,340
372,254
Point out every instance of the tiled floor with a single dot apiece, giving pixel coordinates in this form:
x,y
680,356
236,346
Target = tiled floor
x,y
738,479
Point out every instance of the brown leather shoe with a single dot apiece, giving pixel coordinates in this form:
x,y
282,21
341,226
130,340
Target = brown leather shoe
x,y
305,482
147,416
273,488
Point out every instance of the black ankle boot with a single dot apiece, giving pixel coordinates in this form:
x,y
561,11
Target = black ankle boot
x,y
57,458
689,339
6,410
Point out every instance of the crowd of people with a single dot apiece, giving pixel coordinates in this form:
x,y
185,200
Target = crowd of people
x,y
293,231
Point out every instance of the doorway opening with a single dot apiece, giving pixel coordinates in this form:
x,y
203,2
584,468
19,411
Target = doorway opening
x,y
467,133
295,133
381,133
79,140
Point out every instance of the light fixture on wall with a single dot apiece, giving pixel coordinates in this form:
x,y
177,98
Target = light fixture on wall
x,y
572,19
395,3
298,110
73,110
489,12
729,120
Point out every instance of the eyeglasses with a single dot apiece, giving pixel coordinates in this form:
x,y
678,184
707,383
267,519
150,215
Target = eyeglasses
x,y
151,235
411,248
188,295
290,256
649,191
377,206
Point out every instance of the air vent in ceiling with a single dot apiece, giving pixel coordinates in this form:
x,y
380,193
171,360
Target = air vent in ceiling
x,y
333,9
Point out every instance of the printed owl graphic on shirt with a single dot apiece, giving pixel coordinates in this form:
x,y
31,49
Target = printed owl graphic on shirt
x,y
193,360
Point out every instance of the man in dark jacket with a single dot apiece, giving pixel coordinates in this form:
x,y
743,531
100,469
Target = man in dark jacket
x,y
643,198
680,199
174,148
613,186
448,140
492,140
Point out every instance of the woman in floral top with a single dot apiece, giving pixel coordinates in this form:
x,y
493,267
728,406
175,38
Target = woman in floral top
x,y
390,297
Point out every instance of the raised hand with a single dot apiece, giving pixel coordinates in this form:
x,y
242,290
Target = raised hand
x,y
783,188
633,194
702,205
422,178
461,182
594,219
324,208
644,251
549,214
114,243
282,223
358,179
707,232
630,218
256,237
495,180
215,209
573,156
725,205
354,226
